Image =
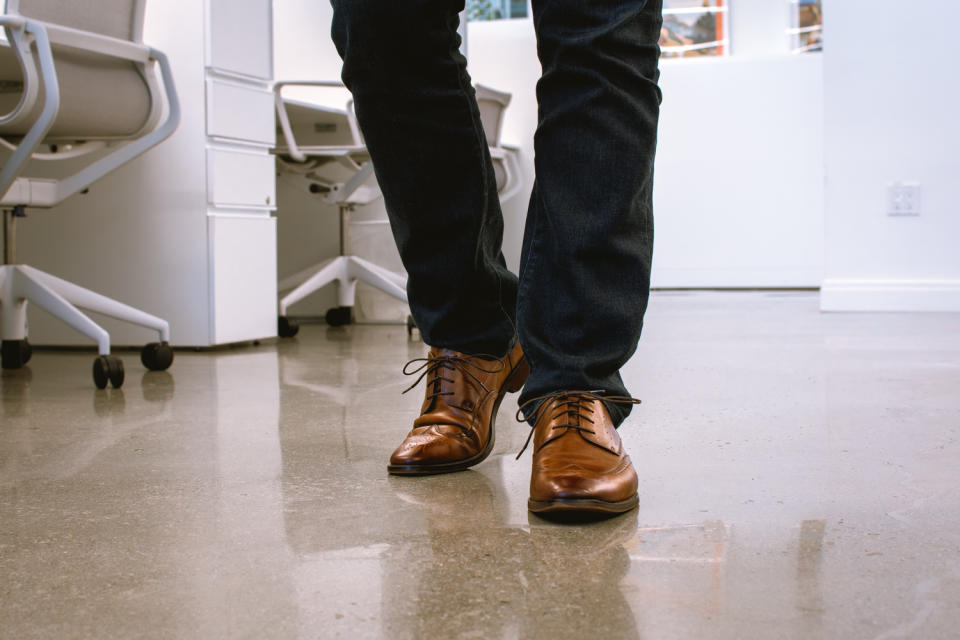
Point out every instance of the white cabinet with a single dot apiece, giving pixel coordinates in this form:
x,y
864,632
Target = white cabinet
x,y
240,171
240,112
185,232
240,179
243,282
240,31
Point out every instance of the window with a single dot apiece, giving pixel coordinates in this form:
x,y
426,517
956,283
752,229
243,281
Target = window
x,y
693,28
495,9
806,32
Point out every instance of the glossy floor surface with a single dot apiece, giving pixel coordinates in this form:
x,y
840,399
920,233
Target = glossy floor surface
x,y
799,478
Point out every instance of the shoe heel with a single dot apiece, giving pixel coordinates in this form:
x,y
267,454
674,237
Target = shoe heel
x,y
518,376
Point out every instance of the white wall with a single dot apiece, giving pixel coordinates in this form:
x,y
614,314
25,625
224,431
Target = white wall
x,y
756,27
303,49
503,56
739,176
891,97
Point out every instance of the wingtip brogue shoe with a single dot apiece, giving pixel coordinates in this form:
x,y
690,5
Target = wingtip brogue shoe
x,y
579,464
455,429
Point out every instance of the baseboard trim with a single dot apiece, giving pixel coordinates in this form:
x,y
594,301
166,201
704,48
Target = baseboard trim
x,y
850,294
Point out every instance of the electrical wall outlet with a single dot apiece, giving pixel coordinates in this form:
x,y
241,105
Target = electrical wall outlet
x,y
903,199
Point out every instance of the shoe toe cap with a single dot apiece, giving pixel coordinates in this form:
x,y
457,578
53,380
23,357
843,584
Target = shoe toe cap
x,y
431,445
578,483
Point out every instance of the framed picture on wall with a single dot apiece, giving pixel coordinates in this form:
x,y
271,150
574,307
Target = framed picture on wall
x,y
806,31
495,9
694,28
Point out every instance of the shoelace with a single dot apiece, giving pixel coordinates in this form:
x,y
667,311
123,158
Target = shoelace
x,y
433,369
571,405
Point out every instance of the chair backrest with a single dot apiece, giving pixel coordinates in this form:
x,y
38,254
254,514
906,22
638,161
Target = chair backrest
x,y
121,19
492,104
102,97
314,125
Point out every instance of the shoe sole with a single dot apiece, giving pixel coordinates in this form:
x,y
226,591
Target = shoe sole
x,y
582,505
512,384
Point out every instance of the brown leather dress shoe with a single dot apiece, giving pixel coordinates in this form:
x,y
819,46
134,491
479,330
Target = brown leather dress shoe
x,y
579,464
455,427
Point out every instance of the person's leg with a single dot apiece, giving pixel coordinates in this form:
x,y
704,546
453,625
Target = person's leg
x,y
419,117
585,266
420,121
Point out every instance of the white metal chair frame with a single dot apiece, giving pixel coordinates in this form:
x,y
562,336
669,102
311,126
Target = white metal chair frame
x,y
20,283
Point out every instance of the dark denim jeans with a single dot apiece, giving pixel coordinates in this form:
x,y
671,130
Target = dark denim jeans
x,y
585,266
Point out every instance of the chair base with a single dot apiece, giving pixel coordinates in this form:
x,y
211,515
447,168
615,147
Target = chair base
x,y
346,271
20,284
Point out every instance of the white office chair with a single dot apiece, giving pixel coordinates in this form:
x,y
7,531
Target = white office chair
x,y
75,79
506,162
333,165
319,142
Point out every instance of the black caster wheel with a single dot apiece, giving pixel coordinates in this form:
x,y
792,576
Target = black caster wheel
x,y
411,325
339,316
157,356
16,353
287,327
108,369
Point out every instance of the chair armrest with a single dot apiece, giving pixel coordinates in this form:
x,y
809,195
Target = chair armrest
x,y
332,84
84,178
329,151
293,149
61,36
16,29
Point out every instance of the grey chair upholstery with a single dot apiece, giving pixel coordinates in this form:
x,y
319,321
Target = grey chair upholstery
x,y
101,96
493,104
120,19
76,80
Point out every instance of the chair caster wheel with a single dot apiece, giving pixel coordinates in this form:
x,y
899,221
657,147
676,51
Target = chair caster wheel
x,y
108,369
411,326
287,327
339,316
16,353
157,356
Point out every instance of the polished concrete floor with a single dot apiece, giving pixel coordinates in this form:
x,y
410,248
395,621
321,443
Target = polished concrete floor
x,y
799,478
